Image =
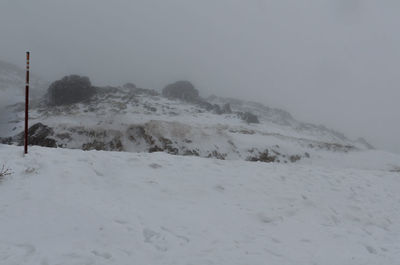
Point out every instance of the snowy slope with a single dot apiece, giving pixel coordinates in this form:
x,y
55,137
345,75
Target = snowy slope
x,y
284,120
12,91
71,207
141,120
12,83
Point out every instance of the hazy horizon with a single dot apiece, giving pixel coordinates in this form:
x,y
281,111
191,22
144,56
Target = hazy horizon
x,y
330,62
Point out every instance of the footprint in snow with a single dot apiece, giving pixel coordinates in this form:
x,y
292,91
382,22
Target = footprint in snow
x,y
270,220
121,222
182,238
31,170
156,239
220,188
104,255
371,250
155,166
76,259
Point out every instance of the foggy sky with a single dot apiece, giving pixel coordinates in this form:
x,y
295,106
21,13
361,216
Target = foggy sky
x,y
331,62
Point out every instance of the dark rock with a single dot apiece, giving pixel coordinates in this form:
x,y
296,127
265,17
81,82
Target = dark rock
x,y
71,89
191,153
137,132
102,145
145,91
217,155
150,108
226,109
116,145
155,149
38,134
248,117
263,157
6,140
294,158
168,146
276,152
204,104
95,145
183,90
129,85
64,136
217,109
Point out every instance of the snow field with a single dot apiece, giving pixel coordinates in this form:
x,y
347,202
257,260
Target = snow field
x,y
72,207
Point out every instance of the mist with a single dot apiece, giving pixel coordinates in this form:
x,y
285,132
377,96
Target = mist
x,y
331,62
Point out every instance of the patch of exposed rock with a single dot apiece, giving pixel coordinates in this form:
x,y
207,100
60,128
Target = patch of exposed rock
x,y
38,134
248,117
183,90
69,90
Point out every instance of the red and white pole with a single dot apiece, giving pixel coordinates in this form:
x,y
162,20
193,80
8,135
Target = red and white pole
x,y
26,103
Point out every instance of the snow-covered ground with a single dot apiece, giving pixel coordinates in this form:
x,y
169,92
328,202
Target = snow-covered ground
x,y
124,119
70,207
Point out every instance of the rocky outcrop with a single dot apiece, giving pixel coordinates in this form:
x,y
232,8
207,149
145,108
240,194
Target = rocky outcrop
x,y
70,89
264,156
248,117
183,90
38,134
226,108
160,136
129,86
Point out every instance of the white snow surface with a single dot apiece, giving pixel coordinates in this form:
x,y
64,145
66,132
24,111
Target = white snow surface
x,y
70,207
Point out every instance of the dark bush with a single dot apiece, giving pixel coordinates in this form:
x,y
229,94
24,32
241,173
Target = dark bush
x,y
181,90
71,89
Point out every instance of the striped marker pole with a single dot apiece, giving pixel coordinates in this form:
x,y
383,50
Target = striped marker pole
x,y
26,103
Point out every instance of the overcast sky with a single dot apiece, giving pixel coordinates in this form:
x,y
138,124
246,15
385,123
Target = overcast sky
x,y
332,62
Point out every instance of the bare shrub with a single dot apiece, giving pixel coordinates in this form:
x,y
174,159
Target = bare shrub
x,y
4,172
